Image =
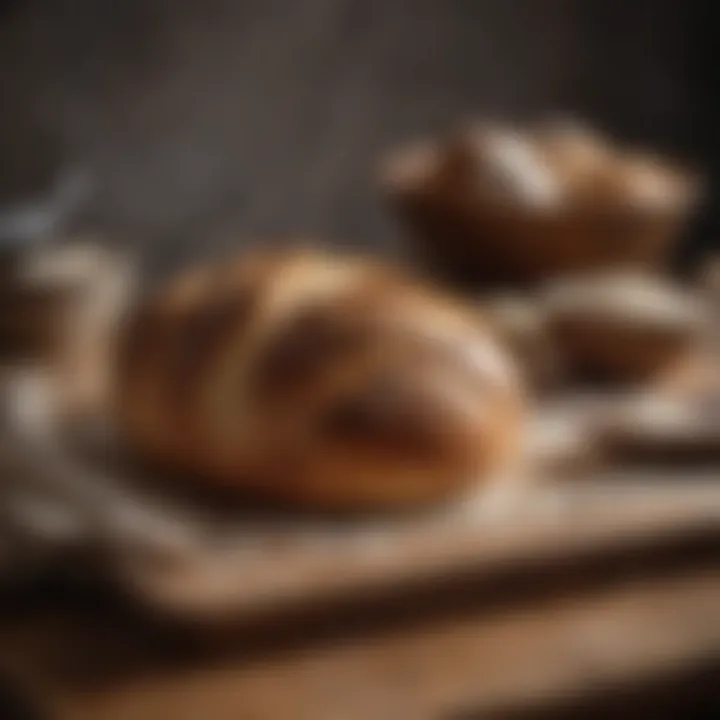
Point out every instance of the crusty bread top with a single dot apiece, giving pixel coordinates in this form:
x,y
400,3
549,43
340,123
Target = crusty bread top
x,y
243,363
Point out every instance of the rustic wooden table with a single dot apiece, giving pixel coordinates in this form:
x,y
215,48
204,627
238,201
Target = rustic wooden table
x,y
592,597
606,628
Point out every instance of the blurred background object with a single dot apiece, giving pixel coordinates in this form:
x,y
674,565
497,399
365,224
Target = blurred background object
x,y
624,325
491,204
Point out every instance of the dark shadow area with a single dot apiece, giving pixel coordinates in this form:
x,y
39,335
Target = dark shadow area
x,y
688,694
16,705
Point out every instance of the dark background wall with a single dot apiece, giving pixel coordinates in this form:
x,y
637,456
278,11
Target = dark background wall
x,y
201,121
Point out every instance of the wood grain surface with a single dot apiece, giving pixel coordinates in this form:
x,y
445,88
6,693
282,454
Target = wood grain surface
x,y
587,643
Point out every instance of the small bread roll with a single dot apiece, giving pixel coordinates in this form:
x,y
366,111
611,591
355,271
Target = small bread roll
x,y
317,380
624,326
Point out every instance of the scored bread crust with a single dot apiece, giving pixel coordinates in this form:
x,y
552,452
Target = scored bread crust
x,y
497,204
316,380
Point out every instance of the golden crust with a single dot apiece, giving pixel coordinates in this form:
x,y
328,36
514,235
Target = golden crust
x,y
317,380
494,204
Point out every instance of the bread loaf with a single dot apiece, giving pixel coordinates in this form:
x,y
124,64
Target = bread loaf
x,y
316,380
494,204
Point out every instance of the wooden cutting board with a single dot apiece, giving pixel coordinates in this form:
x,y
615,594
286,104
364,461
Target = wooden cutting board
x,y
196,561
254,568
